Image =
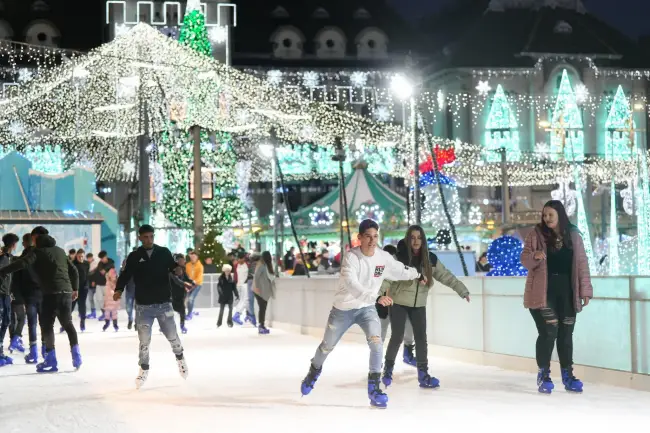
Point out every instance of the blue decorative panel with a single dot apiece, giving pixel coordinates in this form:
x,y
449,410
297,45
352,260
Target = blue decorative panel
x,y
67,236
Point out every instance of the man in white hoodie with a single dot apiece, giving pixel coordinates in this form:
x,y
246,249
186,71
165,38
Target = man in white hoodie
x,y
362,272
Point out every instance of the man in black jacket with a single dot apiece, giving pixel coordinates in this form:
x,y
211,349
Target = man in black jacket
x,y
60,283
9,240
150,267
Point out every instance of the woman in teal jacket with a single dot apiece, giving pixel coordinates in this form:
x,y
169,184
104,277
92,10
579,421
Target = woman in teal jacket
x,y
410,300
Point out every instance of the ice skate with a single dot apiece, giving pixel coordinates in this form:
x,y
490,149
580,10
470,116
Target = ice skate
x,y
408,356
5,360
263,331
16,345
130,325
106,325
544,382
250,318
142,378
117,328
570,382
49,365
82,325
387,377
92,315
182,367
32,356
76,357
237,319
377,397
425,380
310,380
183,329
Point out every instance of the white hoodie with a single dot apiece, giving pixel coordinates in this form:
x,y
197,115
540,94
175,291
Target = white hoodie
x,y
361,278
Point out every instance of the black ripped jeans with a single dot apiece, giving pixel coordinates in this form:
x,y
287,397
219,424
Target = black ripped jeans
x,y
556,322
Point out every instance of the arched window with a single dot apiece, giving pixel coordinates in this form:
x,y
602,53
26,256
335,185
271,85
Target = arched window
x,y
501,130
42,33
372,43
566,129
330,43
287,42
207,182
280,12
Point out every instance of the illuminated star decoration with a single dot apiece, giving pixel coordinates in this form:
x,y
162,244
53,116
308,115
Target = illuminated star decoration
x,y
24,75
274,77
128,168
359,79
582,93
311,79
483,88
321,216
370,211
382,113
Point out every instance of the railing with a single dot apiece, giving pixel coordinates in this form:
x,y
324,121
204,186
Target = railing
x,y
612,332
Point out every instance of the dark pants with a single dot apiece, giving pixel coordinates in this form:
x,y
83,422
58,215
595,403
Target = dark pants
x,y
179,306
57,306
220,320
556,322
5,317
418,317
81,303
17,320
262,304
33,310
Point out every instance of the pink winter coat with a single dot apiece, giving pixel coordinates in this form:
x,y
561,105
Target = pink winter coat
x,y
537,279
109,291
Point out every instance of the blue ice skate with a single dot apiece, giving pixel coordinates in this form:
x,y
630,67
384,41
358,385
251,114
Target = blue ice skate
x,y
183,329
32,356
237,319
408,356
250,318
544,382
16,344
49,365
377,397
425,380
570,382
310,380
387,378
263,331
76,357
5,360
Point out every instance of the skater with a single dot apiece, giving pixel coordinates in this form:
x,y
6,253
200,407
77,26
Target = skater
x,y
18,313
92,285
410,300
250,313
181,285
83,269
264,287
100,280
9,242
110,305
149,266
408,354
362,272
59,280
241,277
227,289
558,286
194,269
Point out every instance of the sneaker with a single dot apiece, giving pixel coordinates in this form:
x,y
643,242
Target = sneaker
x,y
182,367
142,378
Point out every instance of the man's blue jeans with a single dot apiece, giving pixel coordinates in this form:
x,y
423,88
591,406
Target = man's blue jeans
x,y
144,317
339,322
191,298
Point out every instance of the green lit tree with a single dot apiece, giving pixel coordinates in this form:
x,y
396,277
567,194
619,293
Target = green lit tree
x,y
211,248
567,115
501,129
617,143
193,32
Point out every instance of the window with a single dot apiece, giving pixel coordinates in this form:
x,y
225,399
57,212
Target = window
x,y
287,42
207,182
42,33
280,12
330,43
501,130
321,13
372,43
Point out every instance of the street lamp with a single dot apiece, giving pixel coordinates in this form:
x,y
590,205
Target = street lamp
x,y
404,89
269,152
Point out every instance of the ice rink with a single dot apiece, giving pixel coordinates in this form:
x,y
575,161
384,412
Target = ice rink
x,y
242,382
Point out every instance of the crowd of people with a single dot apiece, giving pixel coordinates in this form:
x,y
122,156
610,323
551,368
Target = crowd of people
x,y
376,288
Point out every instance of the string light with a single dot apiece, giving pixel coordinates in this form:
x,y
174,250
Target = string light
x,y
321,216
504,254
370,211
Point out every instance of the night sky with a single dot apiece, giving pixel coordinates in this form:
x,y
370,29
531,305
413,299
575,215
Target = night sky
x,y
630,16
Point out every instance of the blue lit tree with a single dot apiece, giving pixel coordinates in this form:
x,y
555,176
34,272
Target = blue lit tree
x,y
504,254
501,129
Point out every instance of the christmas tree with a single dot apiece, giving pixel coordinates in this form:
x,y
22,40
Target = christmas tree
x,y
194,34
211,248
617,143
501,130
567,115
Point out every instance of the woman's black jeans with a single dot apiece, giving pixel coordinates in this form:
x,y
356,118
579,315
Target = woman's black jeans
x,y
418,317
556,322
262,304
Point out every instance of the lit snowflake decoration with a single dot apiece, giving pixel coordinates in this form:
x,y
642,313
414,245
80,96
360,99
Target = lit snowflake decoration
x,y
274,77
16,128
321,216
370,211
307,133
543,150
628,203
25,74
311,79
475,215
382,113
242,116
483,88
359,79
582,93
441,100
567,196
121,29
218,34
128,168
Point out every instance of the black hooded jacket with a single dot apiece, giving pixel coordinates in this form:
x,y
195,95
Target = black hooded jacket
x,y
25,285
5,281
51,265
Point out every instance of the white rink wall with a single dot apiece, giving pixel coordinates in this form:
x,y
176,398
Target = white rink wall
x,y
611,341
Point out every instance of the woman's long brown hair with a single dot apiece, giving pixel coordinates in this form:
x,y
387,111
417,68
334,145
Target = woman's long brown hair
x,y
426,268
268,261
565,226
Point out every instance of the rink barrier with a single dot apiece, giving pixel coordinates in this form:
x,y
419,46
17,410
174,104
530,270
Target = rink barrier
x,y
611,340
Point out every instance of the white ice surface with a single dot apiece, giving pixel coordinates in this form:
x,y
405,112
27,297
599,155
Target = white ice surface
x,y
242,382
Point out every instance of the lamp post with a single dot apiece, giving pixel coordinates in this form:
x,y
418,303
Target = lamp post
x,y
269,151
403,88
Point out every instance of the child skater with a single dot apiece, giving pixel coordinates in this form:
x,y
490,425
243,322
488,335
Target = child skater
x,y
362,272
110,306
181,285
228,293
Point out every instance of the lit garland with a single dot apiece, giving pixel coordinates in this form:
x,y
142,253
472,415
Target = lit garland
x,y
321,217
370,211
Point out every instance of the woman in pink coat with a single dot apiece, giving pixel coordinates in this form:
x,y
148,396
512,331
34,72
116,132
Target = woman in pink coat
x,y
110,306
558,286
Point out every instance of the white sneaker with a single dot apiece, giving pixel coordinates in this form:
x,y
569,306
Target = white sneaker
x,y
182,367
141,379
